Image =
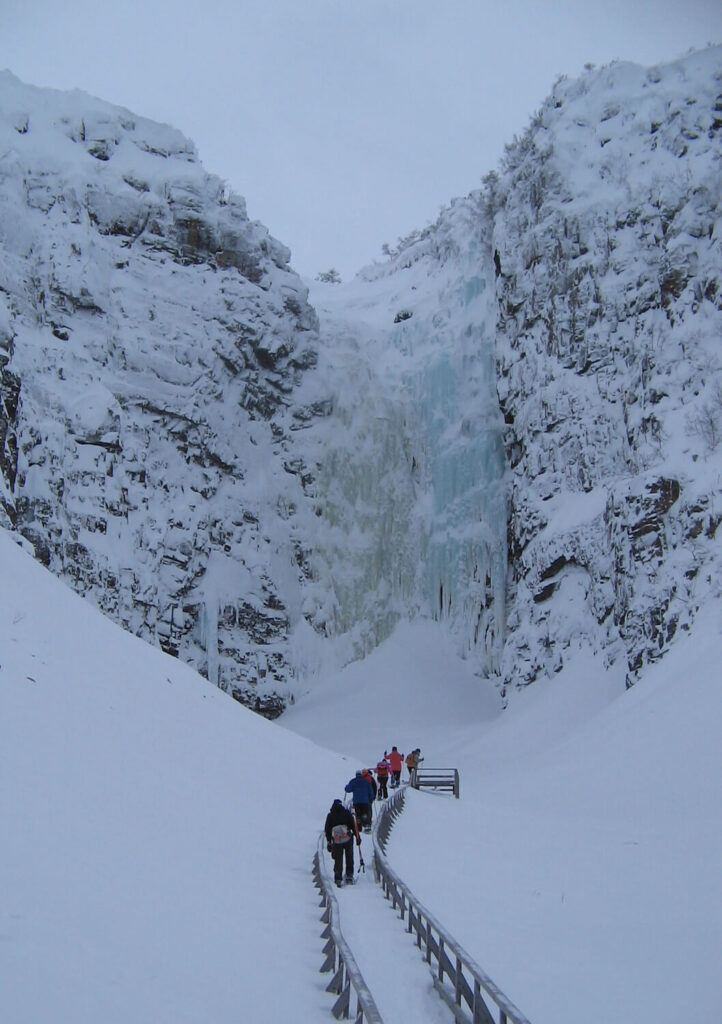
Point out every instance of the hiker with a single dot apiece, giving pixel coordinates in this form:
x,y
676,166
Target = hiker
x,y
340,829
383,770
362,794
369,776
396,760
413,760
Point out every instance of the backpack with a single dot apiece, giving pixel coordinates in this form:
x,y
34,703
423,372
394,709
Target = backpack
x,y
340,834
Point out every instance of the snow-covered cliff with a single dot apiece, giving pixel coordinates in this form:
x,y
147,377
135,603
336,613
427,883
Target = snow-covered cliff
x,y
152,341
608,229
513,425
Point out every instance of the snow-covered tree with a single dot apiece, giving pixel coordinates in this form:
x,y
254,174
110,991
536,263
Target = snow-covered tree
x,y
330,276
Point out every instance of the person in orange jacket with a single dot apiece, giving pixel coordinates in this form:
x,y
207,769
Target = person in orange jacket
x,y
396,761
413,760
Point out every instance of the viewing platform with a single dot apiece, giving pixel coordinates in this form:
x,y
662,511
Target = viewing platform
x,y
436,778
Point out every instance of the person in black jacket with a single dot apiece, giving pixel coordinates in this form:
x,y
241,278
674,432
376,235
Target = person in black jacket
x,y
341,830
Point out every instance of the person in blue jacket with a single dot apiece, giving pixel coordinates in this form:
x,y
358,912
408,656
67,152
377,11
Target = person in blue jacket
x,y
362,794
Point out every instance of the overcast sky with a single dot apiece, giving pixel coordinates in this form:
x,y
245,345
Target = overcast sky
x,y
344,123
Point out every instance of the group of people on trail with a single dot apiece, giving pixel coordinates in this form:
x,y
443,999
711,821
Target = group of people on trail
x,y
343,827
396,761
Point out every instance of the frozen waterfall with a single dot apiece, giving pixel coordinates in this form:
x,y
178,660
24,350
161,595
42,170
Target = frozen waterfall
x,y
412,475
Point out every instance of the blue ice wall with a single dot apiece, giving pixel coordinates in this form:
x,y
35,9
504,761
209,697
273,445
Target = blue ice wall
x,y
461,434
412,477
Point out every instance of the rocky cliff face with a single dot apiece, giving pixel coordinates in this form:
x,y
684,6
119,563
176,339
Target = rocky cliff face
x,y
152,343
608,245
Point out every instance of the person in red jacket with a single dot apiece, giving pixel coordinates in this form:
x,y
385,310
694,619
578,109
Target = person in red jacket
x,y
396,761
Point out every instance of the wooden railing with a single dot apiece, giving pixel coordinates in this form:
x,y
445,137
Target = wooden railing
x,y
436,778
338,956
458,979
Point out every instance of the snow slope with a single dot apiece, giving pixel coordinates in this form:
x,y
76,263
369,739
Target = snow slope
x,y
151,823
580,866
157,836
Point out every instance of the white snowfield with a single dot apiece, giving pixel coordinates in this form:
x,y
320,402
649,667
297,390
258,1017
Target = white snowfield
x,y
158,837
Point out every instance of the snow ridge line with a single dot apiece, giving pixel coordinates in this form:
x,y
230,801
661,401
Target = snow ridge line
x,y
425,924
339,957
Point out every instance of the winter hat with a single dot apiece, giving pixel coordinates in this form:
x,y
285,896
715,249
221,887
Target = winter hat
x,y
359,772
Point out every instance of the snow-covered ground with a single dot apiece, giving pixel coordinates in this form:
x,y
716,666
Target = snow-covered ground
x,y
158,837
